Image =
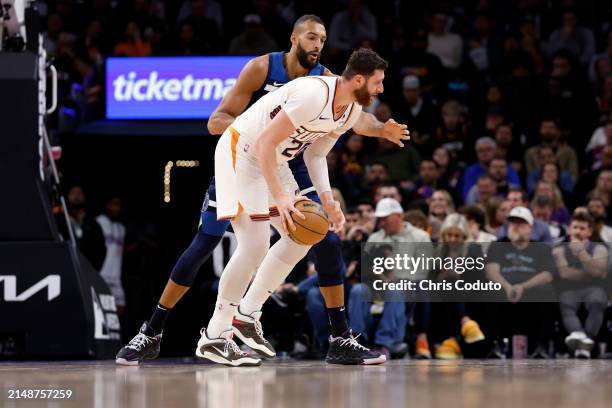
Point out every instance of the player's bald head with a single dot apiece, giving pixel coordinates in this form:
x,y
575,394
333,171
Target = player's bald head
x,y
301,23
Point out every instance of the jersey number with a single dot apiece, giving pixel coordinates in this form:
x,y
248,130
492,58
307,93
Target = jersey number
x,y
296,149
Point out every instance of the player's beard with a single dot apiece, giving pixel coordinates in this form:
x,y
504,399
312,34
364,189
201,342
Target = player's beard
x,y
362,96
302,56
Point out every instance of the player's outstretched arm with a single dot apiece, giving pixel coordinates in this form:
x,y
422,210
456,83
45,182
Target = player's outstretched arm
x,y
368,125
238,97
316,162
279,129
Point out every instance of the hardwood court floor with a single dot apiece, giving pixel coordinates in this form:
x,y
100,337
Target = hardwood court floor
x,y
295,384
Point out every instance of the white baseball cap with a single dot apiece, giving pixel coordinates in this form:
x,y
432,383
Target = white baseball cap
x,y
522,213
388,206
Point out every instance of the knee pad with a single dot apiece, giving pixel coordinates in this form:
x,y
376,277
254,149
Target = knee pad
x,y
329,263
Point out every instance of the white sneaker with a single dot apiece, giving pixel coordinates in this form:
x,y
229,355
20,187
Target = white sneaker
x,y
587,344
223,350
582,354
575,339
248,329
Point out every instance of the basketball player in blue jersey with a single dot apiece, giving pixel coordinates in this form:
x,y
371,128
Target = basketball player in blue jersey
x,y
261,75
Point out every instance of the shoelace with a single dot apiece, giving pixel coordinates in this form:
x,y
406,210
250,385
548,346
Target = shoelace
x,y
230,345
352,342
259,330
138,342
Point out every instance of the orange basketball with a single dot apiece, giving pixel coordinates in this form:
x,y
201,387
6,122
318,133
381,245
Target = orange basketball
x,y
312,229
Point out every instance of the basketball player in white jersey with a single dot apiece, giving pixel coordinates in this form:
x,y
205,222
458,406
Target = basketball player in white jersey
x,y
307,114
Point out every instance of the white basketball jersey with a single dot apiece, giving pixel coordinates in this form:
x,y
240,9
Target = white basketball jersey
x,y
309,103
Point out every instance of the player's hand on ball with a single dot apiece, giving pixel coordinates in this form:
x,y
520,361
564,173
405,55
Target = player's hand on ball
x,y
395,132
285,204
334,214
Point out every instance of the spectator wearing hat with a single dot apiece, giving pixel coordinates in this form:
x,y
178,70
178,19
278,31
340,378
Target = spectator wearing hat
x,y
390,331
525,271
540,232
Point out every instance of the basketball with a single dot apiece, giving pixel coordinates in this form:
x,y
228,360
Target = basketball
x,y
313,229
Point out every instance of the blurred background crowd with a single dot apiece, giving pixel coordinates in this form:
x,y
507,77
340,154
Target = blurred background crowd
x,y
508,104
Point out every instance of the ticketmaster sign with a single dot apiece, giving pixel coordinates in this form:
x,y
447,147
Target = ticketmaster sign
x,y
168,87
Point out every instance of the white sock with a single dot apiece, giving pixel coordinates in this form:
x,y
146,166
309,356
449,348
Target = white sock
x,y
222,317
272,272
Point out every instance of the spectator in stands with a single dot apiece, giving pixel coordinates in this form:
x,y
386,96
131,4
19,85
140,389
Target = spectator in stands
x,y
387,191
418,219
588,180
602,138
476,221
543,210
51,34
447,168
481,193
499,170
583,267
603,190
483,47
601,230
377,173
525,270
350,26
601,62
391,329
560,213
550,136
419,114
254,40
133,44
114,237
550,173
271,20
497,211
452,320
440,205
402,162
87,232
573,37
485,152
452,134
508,147
430,180
539,230
415,60
445,45
351,155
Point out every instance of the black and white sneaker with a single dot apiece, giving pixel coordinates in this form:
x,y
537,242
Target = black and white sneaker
x,y
141,347
347,350
248,329
223,350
